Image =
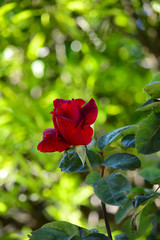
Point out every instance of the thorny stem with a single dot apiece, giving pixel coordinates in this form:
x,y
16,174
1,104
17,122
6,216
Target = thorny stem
x,y
105,214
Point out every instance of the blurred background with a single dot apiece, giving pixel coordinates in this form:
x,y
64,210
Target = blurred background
x,y
106,50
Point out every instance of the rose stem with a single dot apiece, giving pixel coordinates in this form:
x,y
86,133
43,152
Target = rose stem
x,y
89,165
105,214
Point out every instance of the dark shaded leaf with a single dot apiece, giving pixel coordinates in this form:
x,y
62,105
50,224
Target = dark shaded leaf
x,y
72,163
48,234
128,141
124,161
114,135
96,236
148,105
148,135
123,211
139,199
112,189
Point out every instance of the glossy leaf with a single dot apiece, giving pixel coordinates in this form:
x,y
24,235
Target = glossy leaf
x,y
113,189
69,228
123,211
151,174
72,163
128,141
114,135
153,89
148,135
124,161
96,236
60,230
48,234
149,105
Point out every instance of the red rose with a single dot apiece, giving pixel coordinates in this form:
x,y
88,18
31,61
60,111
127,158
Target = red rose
x,y
72,120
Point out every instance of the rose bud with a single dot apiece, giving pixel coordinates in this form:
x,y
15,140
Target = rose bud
x,y
72,120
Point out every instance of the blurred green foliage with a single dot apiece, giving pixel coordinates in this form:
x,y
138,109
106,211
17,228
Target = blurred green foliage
x,y
108,50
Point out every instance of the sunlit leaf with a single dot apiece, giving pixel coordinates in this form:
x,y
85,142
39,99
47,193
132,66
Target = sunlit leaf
x,y
69,228
149,105
6,8
153,89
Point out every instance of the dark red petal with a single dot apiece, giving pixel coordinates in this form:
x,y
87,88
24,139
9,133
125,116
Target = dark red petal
x,y
70,110
57,102
80,102
74,135
90,112
54,121
52,142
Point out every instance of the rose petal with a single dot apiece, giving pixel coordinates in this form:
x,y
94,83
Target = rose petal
x,y
80,102
54,121
52,142
70,110
90,112
57,102
72,134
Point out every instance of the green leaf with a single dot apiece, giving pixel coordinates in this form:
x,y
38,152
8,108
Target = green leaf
x,y
121,236
141,220
128,141
112,189
149,105
92,178
123,211
48,234
148,135
124,161
140,191
72,163
139,199
114,135
153,89
156,78
151,174
69,228
60,230
96,236
81,151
